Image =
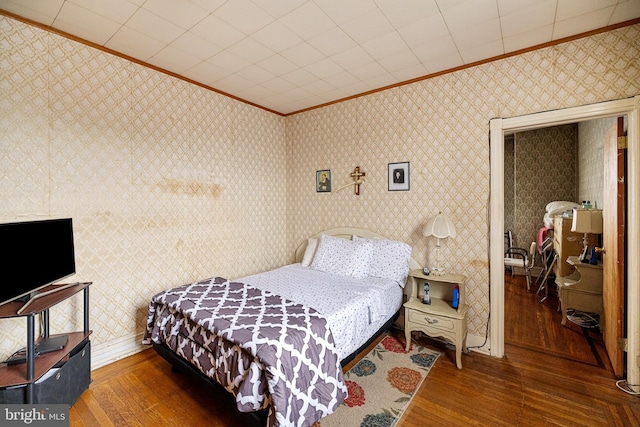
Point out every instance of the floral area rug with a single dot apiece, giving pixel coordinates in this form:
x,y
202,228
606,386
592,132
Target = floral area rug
x,y
382,384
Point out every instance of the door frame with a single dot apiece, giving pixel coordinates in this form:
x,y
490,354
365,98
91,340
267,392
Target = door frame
x,y
497,129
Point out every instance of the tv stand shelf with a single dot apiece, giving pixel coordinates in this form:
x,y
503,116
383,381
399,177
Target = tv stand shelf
x,y
23,382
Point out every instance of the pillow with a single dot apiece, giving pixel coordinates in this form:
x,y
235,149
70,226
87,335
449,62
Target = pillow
x,y
309,252
341,256
390,259
560,205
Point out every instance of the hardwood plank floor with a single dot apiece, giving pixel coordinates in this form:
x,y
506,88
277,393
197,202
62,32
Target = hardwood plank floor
x,y
551,375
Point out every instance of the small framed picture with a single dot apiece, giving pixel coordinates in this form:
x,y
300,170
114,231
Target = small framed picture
x,y
323,181
399,176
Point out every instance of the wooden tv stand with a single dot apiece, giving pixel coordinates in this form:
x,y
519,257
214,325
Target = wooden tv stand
x,y
27,382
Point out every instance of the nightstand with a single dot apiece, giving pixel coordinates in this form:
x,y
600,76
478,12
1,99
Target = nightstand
x,y
437,319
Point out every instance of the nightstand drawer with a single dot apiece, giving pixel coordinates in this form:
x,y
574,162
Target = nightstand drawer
x,y
435,322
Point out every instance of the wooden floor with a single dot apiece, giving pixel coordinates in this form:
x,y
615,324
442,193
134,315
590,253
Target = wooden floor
x,y
551,375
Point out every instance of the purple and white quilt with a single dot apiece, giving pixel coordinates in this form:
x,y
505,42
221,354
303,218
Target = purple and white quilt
x,y
265,349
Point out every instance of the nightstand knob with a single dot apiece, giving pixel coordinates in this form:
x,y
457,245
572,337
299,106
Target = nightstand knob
x,y
431,321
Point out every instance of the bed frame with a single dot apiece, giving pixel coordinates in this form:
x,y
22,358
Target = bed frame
x,y
259,418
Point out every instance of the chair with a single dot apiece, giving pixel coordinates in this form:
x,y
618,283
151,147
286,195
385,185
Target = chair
x,y
519,257
508,244
549,259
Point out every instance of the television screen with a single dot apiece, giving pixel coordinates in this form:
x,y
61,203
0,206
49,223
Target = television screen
x,y
33,255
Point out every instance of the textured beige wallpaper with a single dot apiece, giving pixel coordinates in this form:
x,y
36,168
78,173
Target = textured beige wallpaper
x,y
168,182
546,170
590,157
441,126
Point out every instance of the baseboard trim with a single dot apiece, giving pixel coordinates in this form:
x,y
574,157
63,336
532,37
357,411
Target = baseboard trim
x,y
104,354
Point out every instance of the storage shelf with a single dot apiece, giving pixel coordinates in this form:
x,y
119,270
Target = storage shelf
x,y
16,375
23,377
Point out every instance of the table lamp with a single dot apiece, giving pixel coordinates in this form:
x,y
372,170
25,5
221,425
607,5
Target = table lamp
x,y
440,227
587,221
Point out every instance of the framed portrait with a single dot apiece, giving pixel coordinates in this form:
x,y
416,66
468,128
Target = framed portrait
x,y
323,181
399,176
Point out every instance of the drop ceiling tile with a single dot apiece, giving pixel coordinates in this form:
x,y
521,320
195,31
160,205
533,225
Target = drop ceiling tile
x,y
302,54
483,51
145,22
243,15
444,5
299,77
278,65
385,45
208,5
444,62
279,8
195,45
356,56
442,47
332,41
278,85
307,21
343,11
317,87
410,73
478,35
183,14
206,73
277,37
399,60
369,71
134,44
343,79
116,10
537,15
255,74
86,24
217,32
568,9
401,13
256,93
233,83
173,59
507,7
251,50
470,13
44,11
229,61
582,23
324,68
624,11
530,38
368,26
424,30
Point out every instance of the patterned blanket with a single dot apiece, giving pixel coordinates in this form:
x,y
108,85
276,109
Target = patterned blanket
x,y
291,341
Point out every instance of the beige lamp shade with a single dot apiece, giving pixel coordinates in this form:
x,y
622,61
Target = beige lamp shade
x,y
439,226
587,221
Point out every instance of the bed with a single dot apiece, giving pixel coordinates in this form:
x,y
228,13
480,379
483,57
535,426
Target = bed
x,y
276,341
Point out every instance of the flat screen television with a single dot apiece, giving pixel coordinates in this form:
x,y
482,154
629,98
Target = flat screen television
x,y
34,254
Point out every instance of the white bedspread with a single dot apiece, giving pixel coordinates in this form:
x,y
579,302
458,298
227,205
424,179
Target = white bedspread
x,y
354,308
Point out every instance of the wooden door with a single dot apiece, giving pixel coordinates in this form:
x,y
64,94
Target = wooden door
x,y
613,294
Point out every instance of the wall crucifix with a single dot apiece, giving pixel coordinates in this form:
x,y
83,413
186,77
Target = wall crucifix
x,y
357,175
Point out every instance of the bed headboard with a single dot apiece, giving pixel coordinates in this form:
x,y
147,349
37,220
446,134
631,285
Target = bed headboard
x,y
347,233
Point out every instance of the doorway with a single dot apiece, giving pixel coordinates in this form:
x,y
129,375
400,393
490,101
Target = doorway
x,y
498,128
